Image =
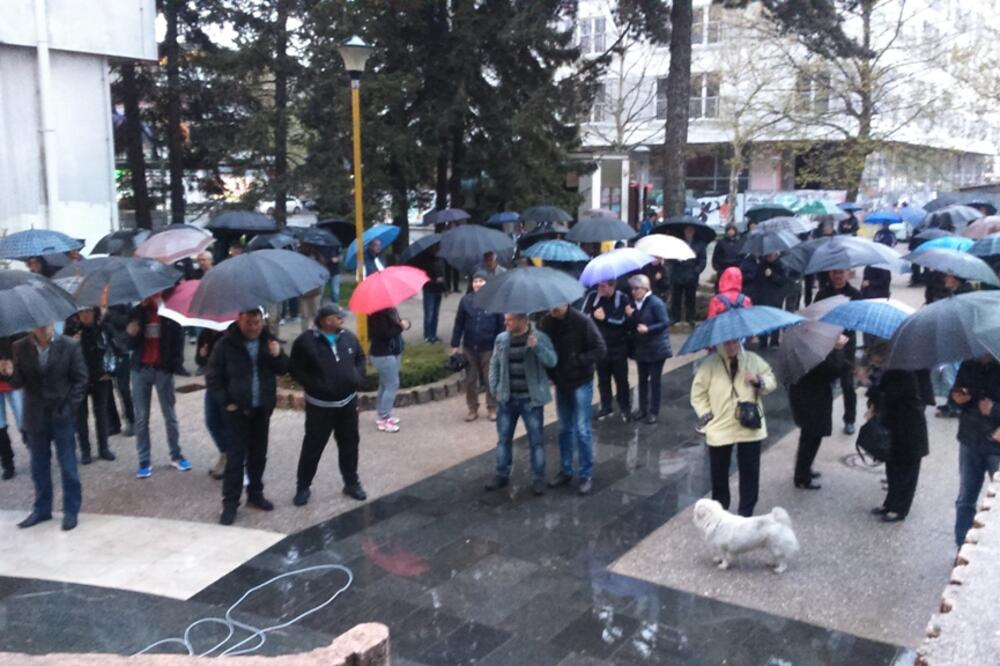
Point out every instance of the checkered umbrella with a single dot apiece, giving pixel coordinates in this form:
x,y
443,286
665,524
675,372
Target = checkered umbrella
x,y
738,324
28,301
875,316
36,242
556,250
986,247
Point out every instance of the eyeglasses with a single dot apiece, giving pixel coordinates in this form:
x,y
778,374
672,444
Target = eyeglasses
x,y
638,288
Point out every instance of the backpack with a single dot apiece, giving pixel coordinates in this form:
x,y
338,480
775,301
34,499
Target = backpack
x,y
729,305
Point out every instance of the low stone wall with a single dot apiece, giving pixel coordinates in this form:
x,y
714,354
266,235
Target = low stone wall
x,y
417,395
364,645
966,629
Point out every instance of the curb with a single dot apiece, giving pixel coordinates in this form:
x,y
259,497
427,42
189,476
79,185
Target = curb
x,y
415,395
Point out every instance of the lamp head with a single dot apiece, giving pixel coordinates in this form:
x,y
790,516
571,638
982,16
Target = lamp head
x,y
354,53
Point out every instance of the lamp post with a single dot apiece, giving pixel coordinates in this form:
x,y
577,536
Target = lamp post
x,y
355,53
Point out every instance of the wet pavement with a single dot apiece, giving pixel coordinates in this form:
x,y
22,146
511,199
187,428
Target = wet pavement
x,y
463,576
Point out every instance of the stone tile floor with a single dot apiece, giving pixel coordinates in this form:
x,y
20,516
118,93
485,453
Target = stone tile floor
x,y
461,576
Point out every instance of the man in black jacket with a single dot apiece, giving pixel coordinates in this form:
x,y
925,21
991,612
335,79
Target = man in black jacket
x,y
51,370
684,280
579,346
100,365
606,305
433,291
242,375
839,285
329,363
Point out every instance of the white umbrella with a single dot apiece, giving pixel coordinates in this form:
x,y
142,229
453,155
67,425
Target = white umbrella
x,y
665,247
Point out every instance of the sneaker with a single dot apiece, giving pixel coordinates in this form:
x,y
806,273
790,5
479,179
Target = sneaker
x,y
586,485
144,472
106,454
848,428
472,415
603,414
182,464
561,479
355,491
699,428
625,417
497,483
492,414
128,430
394,420
538,487
260,502
301,497
86,458
386,426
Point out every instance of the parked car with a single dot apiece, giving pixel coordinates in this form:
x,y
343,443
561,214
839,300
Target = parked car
x,y
292,205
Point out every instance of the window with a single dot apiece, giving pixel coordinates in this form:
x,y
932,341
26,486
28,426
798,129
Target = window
x,y
707,25
661,98
591,35
599,111
704,101
812,92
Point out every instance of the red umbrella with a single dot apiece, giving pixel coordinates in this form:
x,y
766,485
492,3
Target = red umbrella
x,y
387,289
177,307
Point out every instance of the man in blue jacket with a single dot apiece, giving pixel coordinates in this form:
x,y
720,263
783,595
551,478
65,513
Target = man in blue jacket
x,y
519,382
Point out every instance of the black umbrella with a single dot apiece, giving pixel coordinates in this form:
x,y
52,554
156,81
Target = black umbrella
x,y
464,246
762,243
420,245
674,226
983,205
976,199
274,241
600,229
342,229
953,329
797,258
126,279
528,289
541,215
315,236
444,216
955,217
843,252
257,279
121,243
762,212
28,300
243,221
542,233
959,264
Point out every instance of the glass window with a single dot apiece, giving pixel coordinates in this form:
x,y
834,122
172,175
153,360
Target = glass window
x,y
598,35
706,26
698,26
599,111
704,100
661,98
584,36
712,85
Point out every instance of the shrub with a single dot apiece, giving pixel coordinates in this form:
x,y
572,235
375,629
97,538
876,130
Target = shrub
x,y
422,363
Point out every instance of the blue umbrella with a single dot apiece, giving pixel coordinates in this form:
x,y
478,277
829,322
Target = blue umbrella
x,y
877,316
986,247
850,206
738,324
955,262
912,215
36,242
500,219
556,250
384,233
883,217
947,243
613,264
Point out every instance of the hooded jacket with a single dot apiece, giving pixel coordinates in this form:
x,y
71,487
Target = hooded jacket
x,y
730,289
714,392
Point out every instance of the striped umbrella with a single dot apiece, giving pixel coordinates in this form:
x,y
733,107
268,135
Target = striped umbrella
x,y
876,316
738,324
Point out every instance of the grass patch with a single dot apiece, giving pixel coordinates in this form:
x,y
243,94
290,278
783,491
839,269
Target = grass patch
x,y
421,364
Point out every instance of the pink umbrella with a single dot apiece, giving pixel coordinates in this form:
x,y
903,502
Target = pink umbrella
x,y
982,227
174,245
177,307
387,289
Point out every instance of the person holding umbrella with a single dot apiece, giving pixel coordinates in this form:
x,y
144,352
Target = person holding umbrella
x,y
839,285
473,335
242,376
647,316
579,346
811,400
100,362
433,291
14,398
848,226
768,288
329,363
684,280
606,305
875,282
521,357
52,371
373,263
726,395
385,332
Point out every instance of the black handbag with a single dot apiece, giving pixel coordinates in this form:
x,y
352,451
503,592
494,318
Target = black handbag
x,y
748,412
457,362
875,440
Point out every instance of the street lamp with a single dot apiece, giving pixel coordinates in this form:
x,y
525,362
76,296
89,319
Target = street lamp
x,y
354,52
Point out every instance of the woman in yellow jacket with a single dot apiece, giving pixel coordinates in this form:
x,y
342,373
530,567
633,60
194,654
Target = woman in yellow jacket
x,y
727,378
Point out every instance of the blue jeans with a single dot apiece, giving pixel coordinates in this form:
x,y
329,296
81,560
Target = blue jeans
x,y
143,382
61,433
215,422
432,307
507,415
976,461
574,409
15,399
335,288
388,384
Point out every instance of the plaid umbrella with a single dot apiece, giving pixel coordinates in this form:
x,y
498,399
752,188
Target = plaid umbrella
x,y
986,247
738,324
613,264
792,224
556,250
36,242
959,264
880,317
957,328
28,301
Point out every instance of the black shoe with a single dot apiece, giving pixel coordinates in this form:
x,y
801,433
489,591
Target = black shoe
x,y
497,483
85,458
814,475
8,473
586,485
848,428
639,415
561,479
33,519
603,414
128,430
893,517
538,487
105,454
807,485
260,502
183,372
69,522
356,491
301,497
625,417
651,419
228,516
879,511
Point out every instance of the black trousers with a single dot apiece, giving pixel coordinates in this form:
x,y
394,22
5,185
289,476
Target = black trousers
x,y
123,382
247,448
100,398
748,461
808,286
617,369
342,422
806,454
686,294
902,476
850,396
650,375
6,451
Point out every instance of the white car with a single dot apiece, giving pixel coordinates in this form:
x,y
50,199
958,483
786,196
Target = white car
x,y
292,205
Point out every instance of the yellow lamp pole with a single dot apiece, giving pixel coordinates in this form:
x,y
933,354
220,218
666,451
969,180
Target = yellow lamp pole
x,y
355,53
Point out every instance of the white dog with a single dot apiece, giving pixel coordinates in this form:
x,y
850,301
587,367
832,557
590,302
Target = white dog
x,y
729,534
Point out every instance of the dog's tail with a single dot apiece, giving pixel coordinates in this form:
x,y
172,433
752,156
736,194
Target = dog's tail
x,y
781,516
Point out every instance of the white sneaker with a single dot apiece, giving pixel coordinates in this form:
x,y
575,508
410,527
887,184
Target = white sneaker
x,y
386,425
393,420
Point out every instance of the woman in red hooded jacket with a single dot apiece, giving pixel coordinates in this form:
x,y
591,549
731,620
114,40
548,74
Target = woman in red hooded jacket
x,y
730,293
